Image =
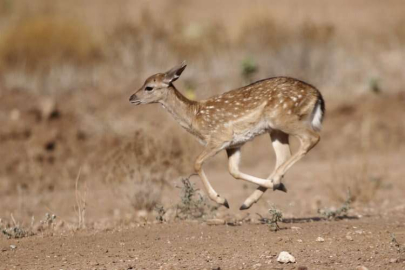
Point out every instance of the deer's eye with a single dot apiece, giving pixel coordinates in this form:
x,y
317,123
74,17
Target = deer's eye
x,y
148,88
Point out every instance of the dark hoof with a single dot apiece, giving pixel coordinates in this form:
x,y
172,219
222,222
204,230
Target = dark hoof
x,y
280,187
226,204
244,207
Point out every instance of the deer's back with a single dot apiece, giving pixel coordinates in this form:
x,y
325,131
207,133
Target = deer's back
x,y
258,106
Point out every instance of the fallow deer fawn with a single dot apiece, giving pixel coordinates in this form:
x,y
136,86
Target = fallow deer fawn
x,y
280,106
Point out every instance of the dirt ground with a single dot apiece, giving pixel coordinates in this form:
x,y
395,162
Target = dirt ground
x,y
348,243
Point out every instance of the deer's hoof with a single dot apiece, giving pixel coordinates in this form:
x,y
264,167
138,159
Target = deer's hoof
x,y
244,207
226,204
280,187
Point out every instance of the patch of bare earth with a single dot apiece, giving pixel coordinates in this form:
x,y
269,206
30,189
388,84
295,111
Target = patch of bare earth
x,y
348,243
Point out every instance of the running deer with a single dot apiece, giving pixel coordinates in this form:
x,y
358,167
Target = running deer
x,y
280,106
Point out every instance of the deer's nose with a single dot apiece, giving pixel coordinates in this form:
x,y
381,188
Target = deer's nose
x,y
133,98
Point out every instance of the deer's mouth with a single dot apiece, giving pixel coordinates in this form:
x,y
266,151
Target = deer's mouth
x,y
134,100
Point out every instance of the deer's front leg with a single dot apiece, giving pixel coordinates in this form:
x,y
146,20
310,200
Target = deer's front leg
x,y
206,154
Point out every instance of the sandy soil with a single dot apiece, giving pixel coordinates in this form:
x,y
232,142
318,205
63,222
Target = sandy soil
x,y
348,243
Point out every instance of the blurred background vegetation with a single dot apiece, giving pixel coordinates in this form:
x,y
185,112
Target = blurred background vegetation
x,y
343,47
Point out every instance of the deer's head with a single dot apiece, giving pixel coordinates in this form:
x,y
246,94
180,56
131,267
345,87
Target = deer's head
x,y
157,86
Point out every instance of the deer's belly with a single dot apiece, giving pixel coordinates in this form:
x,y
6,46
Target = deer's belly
x,y
242,135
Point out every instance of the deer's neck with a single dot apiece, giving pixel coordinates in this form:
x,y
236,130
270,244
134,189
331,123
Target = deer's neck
x,y
182,109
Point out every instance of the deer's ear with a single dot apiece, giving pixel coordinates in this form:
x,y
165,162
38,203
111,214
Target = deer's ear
x,y
174,73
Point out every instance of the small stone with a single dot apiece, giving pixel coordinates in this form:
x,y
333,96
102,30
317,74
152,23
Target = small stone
x,y
299,240
295,228
216,221
320,239
348,237
13,246
393,260
361,267
285,257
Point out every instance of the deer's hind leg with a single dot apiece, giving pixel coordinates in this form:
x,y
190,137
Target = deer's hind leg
x,y
281,145
234,155
308,139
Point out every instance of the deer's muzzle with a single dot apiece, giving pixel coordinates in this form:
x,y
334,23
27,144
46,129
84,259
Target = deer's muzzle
x,y
134,99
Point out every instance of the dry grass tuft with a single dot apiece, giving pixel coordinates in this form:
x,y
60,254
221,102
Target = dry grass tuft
x,y
357,177
143,166
15,230
394,242
276,216
80,206
341,212
193,205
